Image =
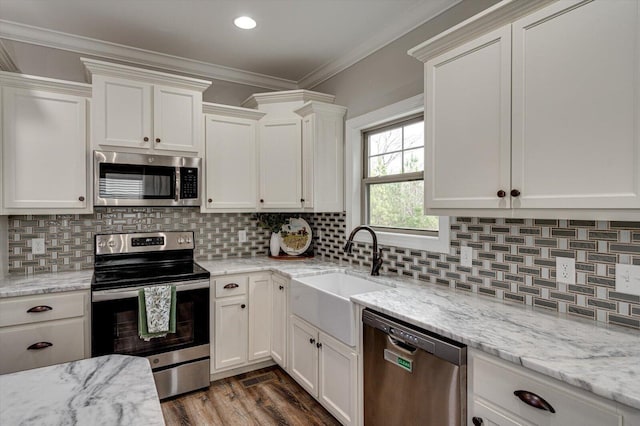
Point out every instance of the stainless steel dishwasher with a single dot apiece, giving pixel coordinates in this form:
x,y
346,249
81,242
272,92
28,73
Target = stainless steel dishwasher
x,y
411,376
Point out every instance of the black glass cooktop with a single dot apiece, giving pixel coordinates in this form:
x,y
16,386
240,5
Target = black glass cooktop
x,y
143,273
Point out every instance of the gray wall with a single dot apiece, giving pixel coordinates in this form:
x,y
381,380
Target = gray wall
x,y
61,64
389,74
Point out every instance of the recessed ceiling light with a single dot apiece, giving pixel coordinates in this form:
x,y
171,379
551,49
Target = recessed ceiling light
x,y
245,23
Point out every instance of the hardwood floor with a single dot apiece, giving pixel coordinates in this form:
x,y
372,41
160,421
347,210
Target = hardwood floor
x,y
262,397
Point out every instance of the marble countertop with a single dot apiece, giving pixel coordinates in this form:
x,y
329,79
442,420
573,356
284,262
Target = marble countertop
x,y
25,285
593,356
108,390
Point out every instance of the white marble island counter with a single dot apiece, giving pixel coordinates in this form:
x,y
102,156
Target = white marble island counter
x,y
109,390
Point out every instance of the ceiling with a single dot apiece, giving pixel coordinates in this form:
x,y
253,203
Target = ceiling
x,y
300,42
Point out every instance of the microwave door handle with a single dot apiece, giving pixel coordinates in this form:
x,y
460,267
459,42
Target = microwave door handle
x,y
177,191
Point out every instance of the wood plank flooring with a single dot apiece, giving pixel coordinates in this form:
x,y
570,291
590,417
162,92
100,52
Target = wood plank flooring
x,y
263,397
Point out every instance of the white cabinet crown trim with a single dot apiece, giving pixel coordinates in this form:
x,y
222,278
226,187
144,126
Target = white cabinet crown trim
x,y
232,111
152,77
490,19
313,106
286,96
24,81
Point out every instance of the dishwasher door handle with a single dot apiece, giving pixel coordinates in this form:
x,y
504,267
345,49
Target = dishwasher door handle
x,y
401,346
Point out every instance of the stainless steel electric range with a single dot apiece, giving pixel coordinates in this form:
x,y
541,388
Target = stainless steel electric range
x,y
126,263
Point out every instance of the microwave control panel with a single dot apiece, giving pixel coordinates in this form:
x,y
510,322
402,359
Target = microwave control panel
x,y
188,182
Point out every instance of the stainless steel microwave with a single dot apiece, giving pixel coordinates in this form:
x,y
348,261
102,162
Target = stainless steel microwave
x,y
128,179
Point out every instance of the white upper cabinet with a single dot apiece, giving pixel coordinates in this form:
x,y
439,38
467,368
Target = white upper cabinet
x,y
231,165
44,145
576,106
142,110
301,152
280,164
322,156
540,116
468,124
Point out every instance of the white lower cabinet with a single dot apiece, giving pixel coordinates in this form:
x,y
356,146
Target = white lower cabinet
x,y
325,368
37,331
279,315
241,321
492,400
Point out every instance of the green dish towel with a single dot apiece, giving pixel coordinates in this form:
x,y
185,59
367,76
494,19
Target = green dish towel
x,y
143,327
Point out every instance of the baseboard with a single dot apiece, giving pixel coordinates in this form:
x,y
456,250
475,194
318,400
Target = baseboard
x,y
240,370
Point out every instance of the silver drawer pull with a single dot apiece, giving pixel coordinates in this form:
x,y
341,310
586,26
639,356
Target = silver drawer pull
x,y
232,285
41,308
534,400
40,345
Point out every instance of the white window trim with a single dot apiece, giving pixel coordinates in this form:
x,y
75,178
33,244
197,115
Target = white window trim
x,y
353,130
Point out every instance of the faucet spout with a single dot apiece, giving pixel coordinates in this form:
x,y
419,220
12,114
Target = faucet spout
x,y
376,263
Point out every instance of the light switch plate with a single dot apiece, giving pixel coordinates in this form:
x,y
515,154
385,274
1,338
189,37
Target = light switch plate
x,y
242,236
565,270
628,279
466,256
37,246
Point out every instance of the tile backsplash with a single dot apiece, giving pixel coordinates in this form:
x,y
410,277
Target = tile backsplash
x,y
514,259
69,238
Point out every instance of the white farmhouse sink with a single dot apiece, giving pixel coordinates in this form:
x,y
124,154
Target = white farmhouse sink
x,y
323,300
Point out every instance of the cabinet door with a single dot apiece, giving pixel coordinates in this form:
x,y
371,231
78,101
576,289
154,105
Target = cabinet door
x,y
304,355
467,124
121,113
338,370
576,106
259,317
176,119
279,321
231,327
280,164
231,163
494,416
45,150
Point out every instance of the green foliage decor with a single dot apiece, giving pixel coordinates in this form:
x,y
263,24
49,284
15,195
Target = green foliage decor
x,y
271,221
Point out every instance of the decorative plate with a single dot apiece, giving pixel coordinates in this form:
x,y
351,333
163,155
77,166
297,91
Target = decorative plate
x,y
295,236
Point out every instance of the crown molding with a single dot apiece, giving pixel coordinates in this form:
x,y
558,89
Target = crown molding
x,y
6,61
103,49
494,17
321,107
231,111
123,71
24,81
418,15
300,95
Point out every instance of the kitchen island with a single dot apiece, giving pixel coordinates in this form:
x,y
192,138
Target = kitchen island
x,y
108,390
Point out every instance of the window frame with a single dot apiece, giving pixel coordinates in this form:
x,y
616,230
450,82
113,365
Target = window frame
x,y
367,181
354,172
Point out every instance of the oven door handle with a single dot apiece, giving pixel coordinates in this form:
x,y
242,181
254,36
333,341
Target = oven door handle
x,y
130,292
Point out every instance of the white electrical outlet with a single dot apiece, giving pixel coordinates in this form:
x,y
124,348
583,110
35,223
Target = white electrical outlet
x,y
565,270
466,256
628,279
242,236
37,246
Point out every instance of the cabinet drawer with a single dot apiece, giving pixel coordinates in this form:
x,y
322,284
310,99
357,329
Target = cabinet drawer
x,y
496,382
231,286
30,309
66,338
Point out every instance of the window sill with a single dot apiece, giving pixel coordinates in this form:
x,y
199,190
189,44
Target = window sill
x,y
439,244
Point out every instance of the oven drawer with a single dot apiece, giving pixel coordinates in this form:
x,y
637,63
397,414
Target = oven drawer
x,y
231,286
58,341
31,309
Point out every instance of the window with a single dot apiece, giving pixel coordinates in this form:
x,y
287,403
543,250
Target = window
x,y
364,190
393,181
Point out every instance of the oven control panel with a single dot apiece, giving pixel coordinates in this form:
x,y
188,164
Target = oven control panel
x,y
144,242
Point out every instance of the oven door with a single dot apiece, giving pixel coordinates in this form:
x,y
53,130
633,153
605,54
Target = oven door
x,y
114,323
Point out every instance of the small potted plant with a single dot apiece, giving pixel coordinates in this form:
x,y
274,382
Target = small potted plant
x,y
273,222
